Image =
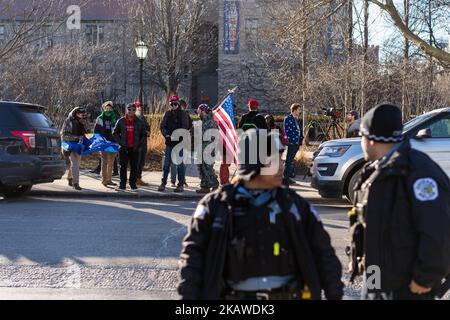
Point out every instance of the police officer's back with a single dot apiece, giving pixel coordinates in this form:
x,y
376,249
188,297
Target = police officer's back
x,y
256,240
401,218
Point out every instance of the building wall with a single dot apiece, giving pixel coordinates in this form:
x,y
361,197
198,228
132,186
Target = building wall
x,y
241,68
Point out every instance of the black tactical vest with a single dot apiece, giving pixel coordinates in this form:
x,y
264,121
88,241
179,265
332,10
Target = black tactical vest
x,y
260,245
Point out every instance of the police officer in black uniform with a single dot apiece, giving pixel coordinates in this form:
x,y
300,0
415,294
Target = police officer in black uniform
x,y
256,240
400,223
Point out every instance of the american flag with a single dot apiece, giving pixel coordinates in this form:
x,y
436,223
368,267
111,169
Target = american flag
x,y
224,116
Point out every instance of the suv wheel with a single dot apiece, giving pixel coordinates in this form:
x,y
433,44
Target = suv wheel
x,y
351,185
15,192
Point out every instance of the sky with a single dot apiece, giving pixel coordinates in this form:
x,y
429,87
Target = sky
x,y
381,28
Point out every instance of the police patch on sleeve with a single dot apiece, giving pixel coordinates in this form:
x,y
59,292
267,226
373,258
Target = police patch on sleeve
x,y
426,189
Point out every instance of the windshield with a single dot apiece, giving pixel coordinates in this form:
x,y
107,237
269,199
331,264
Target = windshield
x,y
414,122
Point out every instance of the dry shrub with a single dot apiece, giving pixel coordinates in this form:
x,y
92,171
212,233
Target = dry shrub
x,y
156,142
302,162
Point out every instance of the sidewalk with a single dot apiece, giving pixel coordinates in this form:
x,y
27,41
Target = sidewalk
x,y
92,187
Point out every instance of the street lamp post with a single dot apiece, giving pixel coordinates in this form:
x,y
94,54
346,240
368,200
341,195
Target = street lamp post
x,y
141,53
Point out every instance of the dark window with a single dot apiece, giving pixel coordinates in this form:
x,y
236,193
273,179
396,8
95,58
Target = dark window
x,y
7,117
94,34
2,34
36,118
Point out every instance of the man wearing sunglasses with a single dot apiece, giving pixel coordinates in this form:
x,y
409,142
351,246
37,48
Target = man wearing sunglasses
x,y
130,133
173,119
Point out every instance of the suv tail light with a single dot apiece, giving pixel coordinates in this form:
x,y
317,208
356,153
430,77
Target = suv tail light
x,y
28,137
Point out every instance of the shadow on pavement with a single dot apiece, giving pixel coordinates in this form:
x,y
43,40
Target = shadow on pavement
x,y
52,230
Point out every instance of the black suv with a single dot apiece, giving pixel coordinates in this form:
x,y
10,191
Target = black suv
x,y
30,148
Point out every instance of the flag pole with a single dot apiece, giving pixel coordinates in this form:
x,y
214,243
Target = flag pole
x,y
230,91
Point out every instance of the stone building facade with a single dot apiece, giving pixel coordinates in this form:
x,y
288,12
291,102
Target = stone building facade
x,y
238,66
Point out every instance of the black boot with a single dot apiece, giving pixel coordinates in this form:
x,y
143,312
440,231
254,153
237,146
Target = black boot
x,y
77,187
115,168
69,182
99,167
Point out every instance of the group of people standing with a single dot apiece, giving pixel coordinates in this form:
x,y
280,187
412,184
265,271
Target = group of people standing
x,y
130,132
177,118
291,134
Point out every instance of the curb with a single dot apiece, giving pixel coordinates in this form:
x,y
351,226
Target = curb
x,y
118,195
161,196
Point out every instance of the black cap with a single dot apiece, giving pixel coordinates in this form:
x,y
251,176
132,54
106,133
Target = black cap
x,y
383,123
250,161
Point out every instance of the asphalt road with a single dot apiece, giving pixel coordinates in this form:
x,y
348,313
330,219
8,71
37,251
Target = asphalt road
x,y
56,248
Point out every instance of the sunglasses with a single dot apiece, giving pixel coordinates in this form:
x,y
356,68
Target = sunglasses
x,y
131,109
174,104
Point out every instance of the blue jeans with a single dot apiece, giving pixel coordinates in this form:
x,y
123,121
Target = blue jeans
x,y
173,173
181,168
291,152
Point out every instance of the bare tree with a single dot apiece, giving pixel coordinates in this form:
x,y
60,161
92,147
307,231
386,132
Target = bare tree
x,y
61,78
25,19
179,38
351,76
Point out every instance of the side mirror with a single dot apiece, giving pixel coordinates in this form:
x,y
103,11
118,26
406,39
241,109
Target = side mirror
x,y
423,134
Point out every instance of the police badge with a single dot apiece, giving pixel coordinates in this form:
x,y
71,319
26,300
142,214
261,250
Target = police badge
x,y
426,189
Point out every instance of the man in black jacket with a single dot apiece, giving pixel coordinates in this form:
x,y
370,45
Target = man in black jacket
x,y
173,119
130,134
144,149
255,239
249,120
401,220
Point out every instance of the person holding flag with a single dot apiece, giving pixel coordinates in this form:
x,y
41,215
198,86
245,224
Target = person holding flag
x,y
208,178
73,132
224,117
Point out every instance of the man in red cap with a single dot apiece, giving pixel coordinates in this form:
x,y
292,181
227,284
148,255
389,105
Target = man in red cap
x,y
248,119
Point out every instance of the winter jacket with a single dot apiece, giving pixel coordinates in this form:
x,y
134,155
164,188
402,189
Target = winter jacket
x,y
146,125
353,129
406,210
252,120
104,126
204,250
294,130
120,133
208,123
173,120
73,130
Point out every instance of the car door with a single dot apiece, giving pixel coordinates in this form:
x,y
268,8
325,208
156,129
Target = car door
x,y
437,146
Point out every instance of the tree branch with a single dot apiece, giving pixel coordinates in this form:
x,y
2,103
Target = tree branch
x,y
436,53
